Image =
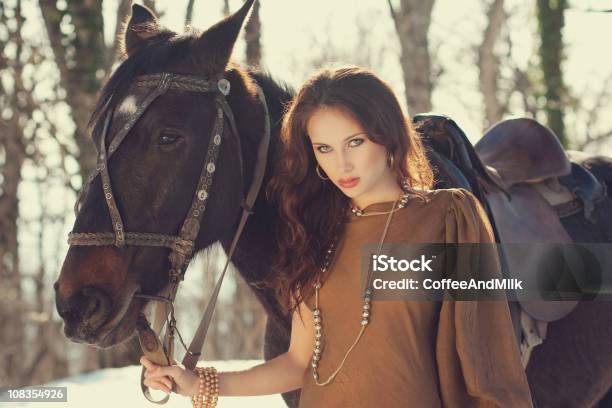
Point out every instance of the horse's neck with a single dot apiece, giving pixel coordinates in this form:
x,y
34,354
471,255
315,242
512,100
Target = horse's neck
x,y
257,245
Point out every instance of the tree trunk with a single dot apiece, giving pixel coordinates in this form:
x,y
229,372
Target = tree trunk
x,y
122,11
82,62
551,22
11,296
15,105
412,21
253,38
488,64
189,13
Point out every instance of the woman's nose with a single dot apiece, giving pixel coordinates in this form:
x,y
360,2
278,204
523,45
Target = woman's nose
x,y
344,164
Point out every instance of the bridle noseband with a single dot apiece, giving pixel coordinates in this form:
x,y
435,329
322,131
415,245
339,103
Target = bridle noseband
x,y
181,245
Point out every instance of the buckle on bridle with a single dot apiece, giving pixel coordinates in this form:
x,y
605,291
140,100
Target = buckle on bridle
x,y
224,86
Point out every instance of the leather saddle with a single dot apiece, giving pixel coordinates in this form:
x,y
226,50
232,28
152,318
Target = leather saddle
x,y
525,181
522,151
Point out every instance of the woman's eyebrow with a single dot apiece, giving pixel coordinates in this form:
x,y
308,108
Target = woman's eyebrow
x,y
346,138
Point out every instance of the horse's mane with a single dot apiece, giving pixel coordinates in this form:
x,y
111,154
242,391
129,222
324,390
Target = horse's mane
x,y
275,91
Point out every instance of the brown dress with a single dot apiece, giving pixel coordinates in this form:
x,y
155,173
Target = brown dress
x,y
415,353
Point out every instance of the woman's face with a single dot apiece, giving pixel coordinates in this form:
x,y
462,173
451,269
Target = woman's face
x,y
355,164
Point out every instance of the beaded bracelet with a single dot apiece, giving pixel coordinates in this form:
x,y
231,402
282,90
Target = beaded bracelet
x,y
208,390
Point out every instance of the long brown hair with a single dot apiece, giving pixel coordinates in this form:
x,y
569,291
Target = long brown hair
x,y
313,210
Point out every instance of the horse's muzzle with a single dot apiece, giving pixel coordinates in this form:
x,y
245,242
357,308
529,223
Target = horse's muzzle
x,y
84,314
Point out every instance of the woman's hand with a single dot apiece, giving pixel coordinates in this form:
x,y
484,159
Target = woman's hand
x,y
159,378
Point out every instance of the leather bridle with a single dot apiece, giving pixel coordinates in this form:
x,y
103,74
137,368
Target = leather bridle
x,y
181,245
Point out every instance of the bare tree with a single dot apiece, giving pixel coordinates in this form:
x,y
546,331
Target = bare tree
x,y
25,117
551,18
189,13
489,64
123,10
82,59
75,31
364,51
412,21
589,128
253,38
15,105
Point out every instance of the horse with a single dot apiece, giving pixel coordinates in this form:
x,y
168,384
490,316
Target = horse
x,y
101,289
154,174
573,366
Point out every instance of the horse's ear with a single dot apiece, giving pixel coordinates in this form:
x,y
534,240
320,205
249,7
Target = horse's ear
x,y
141,25
215,45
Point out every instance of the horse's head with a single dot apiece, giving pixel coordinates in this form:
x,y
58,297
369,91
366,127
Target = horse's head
x,y
153,137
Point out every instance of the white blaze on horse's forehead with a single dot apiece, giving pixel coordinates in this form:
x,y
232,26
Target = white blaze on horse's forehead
x,y
128,106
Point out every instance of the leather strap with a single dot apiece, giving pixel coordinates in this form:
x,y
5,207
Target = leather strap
x,y
196,347
153,350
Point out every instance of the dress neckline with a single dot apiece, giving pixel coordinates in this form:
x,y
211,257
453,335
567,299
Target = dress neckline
x,y
383,206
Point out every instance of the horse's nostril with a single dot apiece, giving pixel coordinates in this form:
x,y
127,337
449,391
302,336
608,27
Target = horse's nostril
x,y
96,306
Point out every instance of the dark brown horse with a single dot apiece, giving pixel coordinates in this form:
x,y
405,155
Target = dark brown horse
x,y
154,175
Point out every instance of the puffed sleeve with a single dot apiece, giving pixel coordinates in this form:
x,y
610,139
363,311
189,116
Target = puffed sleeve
x,y
476,352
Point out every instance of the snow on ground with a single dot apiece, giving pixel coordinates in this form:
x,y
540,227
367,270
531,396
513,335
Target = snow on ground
x,y
120,387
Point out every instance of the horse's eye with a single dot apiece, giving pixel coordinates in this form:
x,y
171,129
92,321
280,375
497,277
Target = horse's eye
x,y
167,139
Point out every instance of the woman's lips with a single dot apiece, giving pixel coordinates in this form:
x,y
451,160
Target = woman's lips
x,y
348,183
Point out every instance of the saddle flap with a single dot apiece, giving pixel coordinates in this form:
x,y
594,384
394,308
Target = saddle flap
x,y
528,218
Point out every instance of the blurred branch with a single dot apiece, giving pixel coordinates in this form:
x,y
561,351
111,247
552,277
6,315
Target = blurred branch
x,y
392,12
52,18
189,13
590,10
151,4
593,115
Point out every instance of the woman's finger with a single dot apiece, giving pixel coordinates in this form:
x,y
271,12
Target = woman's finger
x,y
147,373
146,362
165,381
170,371
157,385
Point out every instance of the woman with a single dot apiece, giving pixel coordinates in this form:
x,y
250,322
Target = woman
x,y
354,172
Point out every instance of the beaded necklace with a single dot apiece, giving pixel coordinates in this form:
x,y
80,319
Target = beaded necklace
x,y
367,297
402,203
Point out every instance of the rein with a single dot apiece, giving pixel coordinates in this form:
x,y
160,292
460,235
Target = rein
x,y
181,245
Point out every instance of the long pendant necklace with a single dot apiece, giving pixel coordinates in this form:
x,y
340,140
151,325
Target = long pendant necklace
x,y
367,297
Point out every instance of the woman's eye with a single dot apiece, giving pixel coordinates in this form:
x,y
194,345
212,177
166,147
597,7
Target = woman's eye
x,y
324,149
355,142
167,139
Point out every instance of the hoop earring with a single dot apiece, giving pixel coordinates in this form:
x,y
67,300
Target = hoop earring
x,y
390,159
318,170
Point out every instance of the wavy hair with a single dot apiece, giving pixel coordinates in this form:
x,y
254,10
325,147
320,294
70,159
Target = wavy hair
x,y
312,210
